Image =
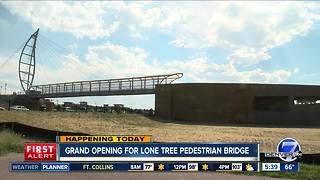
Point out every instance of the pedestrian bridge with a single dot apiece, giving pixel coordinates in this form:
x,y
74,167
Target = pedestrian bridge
x,y
109,87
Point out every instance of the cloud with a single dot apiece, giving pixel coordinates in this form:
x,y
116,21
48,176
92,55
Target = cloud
x,y
79,18
247,29
181,42
113,61
103,61
202,70
9,73
90,19
248,56
143,14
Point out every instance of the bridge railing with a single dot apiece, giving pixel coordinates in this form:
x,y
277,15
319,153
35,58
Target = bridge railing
x,y
143,85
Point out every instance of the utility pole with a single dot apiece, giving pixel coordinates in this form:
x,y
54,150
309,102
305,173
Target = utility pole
x,y
5,88
9,103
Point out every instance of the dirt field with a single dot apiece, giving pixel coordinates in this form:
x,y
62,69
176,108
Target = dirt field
x,y
128,124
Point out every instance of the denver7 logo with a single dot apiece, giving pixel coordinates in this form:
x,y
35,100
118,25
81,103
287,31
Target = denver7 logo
x,y
288,148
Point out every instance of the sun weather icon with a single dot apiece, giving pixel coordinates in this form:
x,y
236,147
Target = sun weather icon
x,y
249,167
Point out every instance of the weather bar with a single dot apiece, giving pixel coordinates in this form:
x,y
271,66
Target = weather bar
x,y
159,166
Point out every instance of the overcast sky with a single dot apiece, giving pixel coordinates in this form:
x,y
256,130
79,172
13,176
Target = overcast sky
x,y
264,42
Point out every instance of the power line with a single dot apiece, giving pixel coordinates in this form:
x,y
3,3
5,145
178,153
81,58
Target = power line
x,y
10,57
54,44
56,52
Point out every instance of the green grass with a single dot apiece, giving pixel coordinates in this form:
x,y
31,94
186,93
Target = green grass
x,y
307,172
10,142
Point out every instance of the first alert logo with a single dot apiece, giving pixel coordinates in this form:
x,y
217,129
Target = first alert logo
x,y
40,151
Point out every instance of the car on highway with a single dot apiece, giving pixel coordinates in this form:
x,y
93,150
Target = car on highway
x,y
68,109
18,108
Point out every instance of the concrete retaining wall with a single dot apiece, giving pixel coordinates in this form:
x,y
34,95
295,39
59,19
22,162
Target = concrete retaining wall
x,y
238,103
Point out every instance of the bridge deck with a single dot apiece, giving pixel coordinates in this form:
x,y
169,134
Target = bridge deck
x,y
124,86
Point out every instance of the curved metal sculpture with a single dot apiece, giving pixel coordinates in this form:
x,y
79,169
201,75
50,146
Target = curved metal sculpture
x,y
27,63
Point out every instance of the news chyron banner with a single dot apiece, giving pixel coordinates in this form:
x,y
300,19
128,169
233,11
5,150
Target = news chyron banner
x,y
135,153
157,152
103,139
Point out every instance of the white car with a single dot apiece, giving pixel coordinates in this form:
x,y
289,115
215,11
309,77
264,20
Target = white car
x,y
68,109
19,108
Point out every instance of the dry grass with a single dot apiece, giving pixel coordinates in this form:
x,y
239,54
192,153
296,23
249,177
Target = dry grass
x,y
127,124
10,142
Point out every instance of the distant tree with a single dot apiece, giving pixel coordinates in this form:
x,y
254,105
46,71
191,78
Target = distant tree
x,y
59,107
151,112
